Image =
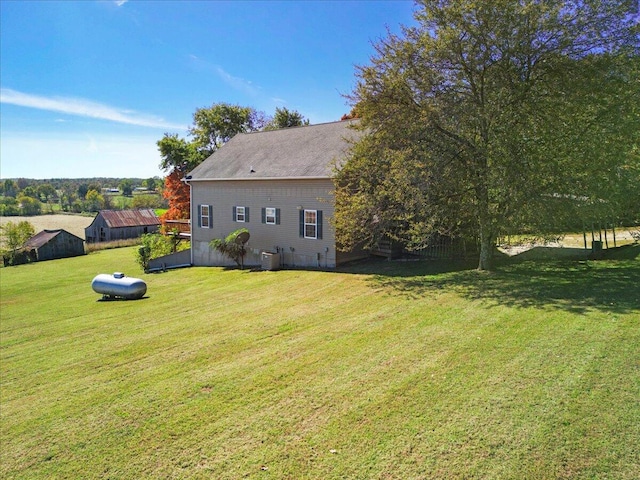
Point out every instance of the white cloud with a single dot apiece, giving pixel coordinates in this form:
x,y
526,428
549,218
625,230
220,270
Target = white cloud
x,y
84,108
120,3
237,83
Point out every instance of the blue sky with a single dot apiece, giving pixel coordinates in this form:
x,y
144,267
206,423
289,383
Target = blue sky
x,y
88,87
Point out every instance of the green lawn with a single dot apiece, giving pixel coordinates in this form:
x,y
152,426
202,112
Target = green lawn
x,y
384,371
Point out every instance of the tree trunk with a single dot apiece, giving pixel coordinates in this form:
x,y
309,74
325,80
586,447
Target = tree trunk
x,y
485,221
487,237
486,250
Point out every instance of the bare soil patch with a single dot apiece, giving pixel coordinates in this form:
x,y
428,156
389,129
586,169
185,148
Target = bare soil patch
x,y
569,245
71,223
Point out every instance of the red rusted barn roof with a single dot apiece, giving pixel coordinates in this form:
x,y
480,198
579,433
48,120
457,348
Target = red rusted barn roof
x,y
130,218
43,237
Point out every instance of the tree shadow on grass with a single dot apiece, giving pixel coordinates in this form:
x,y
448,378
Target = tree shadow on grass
x,y
577,286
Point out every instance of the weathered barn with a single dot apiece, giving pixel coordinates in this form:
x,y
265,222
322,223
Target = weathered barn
x,y
52,244
112,225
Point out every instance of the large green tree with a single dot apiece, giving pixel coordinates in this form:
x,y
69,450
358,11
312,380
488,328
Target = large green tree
x,y
489,117
151,183
29,206
46,192
126,187
9,188
285,118
94,201
216,125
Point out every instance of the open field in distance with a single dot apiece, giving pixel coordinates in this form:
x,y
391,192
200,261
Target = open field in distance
x,y
71,223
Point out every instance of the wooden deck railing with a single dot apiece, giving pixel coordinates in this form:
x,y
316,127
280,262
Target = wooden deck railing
x,y
183,227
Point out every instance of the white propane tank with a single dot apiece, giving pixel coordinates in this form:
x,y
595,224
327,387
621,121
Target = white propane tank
x,y
119,286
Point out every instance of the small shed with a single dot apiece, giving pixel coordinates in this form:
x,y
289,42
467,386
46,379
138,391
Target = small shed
x,y
110,225
52,244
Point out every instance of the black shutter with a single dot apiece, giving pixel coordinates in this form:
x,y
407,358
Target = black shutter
x,y
319,226
264,215
302,223
210,216
246,214
199,216
234,214
277,216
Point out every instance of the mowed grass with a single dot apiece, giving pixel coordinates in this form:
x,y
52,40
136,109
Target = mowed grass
x,y
382,371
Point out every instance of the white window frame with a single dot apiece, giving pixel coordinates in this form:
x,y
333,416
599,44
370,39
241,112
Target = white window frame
x,y
204,216
308,224
240,214
270,215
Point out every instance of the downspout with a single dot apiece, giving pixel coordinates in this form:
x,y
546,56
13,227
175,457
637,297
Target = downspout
x,y
186,180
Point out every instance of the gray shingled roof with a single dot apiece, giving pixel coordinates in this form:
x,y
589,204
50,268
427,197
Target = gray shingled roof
x,y
296,152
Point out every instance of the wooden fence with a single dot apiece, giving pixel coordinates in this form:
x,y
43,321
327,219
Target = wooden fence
x,y
440,247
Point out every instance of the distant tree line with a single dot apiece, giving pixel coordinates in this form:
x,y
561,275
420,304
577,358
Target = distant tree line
x,y
27,197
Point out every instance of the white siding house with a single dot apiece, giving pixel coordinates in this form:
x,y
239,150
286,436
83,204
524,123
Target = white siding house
x,y
276,184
